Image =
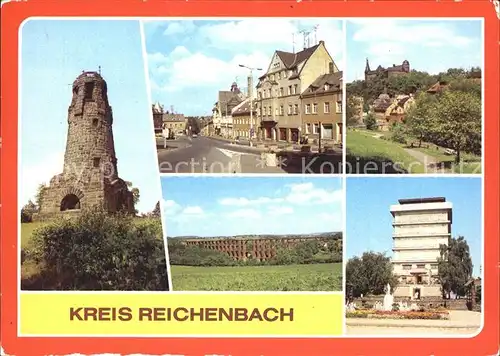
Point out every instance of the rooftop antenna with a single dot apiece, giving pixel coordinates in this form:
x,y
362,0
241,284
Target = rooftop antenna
x,y
305,33
315,29
293,42
99,70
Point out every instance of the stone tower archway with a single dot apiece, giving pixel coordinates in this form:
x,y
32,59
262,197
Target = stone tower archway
x,y
70,202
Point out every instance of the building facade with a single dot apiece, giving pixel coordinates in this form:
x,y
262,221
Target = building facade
x,y
221,112
241,119
279,90
322,108
174,124
420,226
389,72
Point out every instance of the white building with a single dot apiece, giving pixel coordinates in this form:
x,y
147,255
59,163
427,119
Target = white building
x,y
221,112
420,226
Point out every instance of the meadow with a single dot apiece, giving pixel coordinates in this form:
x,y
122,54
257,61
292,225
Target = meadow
x,y
305,277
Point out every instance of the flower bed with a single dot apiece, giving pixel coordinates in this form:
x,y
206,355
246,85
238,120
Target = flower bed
x,y
379,314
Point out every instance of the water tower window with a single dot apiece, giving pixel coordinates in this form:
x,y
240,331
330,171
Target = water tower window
x,y
97,162
95,122
89,89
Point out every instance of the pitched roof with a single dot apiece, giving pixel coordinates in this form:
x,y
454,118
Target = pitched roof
x,y
243,108
325,84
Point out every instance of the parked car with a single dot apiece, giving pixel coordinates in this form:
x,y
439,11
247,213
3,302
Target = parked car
x,y
195,135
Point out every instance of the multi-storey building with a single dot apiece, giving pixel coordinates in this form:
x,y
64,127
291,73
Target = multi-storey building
x,y
174,124
322,108
278,91
420,226
241,119
221,112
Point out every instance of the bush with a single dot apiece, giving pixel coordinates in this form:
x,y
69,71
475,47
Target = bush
x,y
398,133
97,251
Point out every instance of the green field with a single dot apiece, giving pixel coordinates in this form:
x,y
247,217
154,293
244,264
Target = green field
x,y
310,277
371,149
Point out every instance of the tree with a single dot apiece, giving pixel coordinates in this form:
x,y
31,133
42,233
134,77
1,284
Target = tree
x,y
156,211
454,266
455,122
369,274
27,212
354,110
135,193
39,195
371,122
418,119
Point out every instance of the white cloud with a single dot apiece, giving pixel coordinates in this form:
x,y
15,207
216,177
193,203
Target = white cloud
x,y
170,207
306,193
192,210
280,210
247,202
40,173
252,42
245,213
387,41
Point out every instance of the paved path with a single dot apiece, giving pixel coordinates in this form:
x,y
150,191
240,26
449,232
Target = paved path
x,y
460,322
432,165
204,155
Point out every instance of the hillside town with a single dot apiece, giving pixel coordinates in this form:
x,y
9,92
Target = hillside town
x,y
398,113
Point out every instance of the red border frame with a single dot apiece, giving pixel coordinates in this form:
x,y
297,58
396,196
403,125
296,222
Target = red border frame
x,y
14,13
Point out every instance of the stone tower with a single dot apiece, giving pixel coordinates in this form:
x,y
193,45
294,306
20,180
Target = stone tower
x,y
90,174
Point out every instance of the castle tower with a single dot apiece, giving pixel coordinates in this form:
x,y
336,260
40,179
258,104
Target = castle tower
x,y
90,172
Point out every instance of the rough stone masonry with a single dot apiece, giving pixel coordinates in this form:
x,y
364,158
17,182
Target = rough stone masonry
x,y
90,174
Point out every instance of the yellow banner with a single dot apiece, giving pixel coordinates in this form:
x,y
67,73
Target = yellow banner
x,y
180,314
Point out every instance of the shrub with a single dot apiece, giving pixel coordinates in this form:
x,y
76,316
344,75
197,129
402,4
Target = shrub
x,y
398,133
97,251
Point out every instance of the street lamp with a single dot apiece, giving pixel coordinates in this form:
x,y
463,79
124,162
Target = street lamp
x,y
250,95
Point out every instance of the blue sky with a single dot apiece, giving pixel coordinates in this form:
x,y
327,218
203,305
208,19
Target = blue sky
x,y
228,206
54,53
432,46
190,61
369,221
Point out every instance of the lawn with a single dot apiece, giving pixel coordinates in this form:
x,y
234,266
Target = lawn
x,y
470,164
311,277
376,152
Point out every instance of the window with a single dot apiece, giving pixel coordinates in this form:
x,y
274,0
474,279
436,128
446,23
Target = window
x,y
269,93
281,91
308,128
327,87
308,108
272,77
276,112
289,90
295,89
269,111
406,267
279,75
281,110
434,266
284,74
296,109
95,122
326,108
315,108
289,109
315,129
330,67
89,90
97,162
420,266
259,94
339,107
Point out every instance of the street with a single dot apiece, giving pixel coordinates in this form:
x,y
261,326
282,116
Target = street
x,y
206,155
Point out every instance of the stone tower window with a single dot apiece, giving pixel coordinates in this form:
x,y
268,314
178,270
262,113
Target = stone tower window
x,y
95,122
89,90
70,202
97,162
